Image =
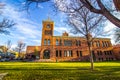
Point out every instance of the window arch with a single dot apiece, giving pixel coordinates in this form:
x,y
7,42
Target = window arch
x,y
57,42
45,41
48,41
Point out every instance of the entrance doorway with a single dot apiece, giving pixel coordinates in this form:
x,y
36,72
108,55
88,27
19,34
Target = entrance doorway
x,y
46,54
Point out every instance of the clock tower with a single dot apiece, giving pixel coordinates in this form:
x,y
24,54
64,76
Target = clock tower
x,y
47,32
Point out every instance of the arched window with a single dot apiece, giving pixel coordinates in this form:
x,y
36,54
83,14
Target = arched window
x,y
98,44
60,42
48,41
79,42
45,42
57,43
103,44
76,43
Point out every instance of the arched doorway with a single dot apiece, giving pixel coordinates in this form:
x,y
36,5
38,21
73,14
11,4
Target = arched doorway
x,y
46,54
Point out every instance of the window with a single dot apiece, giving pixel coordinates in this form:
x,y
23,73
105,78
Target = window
x,y
80,53
48,26
98,44
100,52
60,42
110,52
105,52
68,53
45,42
56,53
48,32
106,59
65,53
67,43
112,59
60,53
77,53
78,43
108,43
92,44
57,43
48,41
71,53
103,44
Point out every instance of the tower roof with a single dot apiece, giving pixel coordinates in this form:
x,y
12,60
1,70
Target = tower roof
x,y
48,19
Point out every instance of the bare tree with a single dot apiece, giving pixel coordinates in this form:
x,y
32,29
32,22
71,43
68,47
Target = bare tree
x,y
102,10
98,7
117,35
28,3
8,45
5,24
83,22
20,46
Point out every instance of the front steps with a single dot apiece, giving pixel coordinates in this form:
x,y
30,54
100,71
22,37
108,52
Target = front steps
x,y
45,60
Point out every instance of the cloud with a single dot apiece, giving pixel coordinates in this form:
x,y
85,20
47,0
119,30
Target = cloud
x,y
110,29
61,29
37,41
25,28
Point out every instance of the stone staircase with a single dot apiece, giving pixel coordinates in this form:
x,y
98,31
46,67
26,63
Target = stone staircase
x,y
45,60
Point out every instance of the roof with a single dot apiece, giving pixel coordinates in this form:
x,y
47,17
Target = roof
x,y
116,46
78,37
48,20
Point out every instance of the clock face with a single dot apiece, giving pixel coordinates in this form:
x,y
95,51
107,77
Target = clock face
x,y
48,32
48,26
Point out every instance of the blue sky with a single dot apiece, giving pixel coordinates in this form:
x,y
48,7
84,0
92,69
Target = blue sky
x,y
29,26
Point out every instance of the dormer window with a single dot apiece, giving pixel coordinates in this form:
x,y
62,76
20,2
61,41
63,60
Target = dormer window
x,y
48,26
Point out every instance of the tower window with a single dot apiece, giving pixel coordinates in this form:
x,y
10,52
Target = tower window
x,y
48,26
45,42
48,41
48,32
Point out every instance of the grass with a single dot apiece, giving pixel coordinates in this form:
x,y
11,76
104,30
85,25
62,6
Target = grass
x,y
60,71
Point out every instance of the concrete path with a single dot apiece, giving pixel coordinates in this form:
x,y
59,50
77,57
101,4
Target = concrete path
x,y
2,75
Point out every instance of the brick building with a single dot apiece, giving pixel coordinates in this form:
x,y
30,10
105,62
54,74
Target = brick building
x,y
70,48
116,51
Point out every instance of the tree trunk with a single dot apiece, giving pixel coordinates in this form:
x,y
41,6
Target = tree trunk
x,y
91,57
112,19
108,15
117,4
103,11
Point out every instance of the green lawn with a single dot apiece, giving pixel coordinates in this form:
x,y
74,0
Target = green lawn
x,y
60,71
